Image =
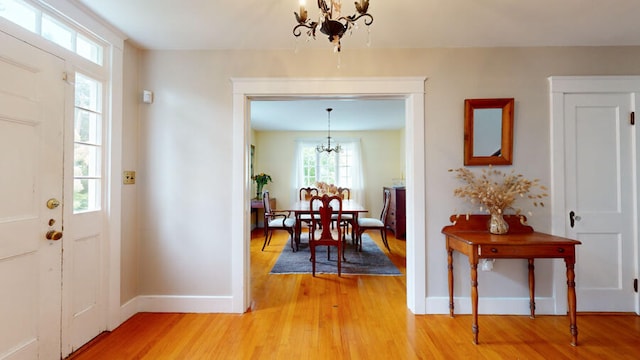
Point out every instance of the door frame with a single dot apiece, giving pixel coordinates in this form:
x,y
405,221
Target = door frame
x,y
559,86
412,90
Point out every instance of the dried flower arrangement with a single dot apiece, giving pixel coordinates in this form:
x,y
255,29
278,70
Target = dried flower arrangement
x,y
324,188
495,191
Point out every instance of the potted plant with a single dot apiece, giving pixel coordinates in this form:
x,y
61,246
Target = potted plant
x,y
261,180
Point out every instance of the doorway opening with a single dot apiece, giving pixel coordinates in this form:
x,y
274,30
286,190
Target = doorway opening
x,y
409,89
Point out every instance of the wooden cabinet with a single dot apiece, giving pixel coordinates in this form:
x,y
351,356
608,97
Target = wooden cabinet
x,y
396,217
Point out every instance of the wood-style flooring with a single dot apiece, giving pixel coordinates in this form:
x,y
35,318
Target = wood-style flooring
x,y
354,317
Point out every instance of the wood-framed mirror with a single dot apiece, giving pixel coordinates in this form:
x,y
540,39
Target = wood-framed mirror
x,y
488,131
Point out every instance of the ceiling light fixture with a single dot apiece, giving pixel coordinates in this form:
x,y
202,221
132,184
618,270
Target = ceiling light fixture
x,y
329,149
331,22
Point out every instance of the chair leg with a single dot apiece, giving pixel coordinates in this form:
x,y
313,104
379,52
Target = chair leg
x,y
312,249
293,240
383,234
267,239
340,255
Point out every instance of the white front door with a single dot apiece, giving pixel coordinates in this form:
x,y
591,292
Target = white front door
x,y
599,193
31,140
84,275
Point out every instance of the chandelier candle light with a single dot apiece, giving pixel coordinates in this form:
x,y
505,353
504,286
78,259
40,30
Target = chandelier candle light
x,y
329,149
331,21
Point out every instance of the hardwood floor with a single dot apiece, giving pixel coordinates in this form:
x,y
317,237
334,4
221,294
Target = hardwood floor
x,y
354,317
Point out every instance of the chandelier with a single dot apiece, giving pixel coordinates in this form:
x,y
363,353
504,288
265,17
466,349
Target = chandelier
x,y
328,149
331,22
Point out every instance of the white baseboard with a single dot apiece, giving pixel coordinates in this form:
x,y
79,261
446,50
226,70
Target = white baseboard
x,y
129,309
179,304
491,306
185,304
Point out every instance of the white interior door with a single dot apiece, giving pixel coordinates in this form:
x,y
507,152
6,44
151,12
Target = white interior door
x,y
599,192
31,140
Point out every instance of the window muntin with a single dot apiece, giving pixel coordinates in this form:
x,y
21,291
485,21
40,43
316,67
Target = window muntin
x,y
88,151
52,29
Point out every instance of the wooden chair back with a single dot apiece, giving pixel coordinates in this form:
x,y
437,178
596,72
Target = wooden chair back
x,y
266,203
306,193
322,208
344,193
385,206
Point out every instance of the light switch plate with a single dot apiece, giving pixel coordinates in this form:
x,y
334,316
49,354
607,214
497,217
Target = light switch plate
x,y
128,177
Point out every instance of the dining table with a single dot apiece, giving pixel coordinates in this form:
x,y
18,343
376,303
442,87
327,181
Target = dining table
x,y
349,207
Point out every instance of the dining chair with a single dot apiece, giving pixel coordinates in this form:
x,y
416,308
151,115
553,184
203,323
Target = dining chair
x,y
305,194
276,220
365,224
322,208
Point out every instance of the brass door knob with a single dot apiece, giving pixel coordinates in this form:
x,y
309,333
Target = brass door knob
x,y
53,203
53,235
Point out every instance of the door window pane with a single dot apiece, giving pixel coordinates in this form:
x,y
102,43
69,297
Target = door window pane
x,y
89,49
52,28
88,152
88,127
56,32
86,194
19,13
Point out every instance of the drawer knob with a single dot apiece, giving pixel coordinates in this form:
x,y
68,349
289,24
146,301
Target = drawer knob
x,y
561,250
494,250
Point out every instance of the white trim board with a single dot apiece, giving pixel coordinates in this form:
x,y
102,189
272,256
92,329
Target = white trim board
x,y
412,89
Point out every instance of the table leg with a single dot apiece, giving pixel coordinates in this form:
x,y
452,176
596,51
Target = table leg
x,y
571,294
298,230
474,298
450,267
532,289
354,232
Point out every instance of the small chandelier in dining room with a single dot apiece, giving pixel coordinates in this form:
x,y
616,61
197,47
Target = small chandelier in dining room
x,y
331,22
328,149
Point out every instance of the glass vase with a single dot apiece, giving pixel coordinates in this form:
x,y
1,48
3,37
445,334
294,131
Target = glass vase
x,y
497,224
259,191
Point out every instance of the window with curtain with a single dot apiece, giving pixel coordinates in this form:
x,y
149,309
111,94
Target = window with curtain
x,y
342,169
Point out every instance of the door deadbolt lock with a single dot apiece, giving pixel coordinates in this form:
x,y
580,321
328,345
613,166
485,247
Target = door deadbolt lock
x,y
53,235
53,203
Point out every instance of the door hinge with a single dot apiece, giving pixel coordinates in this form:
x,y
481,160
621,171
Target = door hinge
x,y
635,285
632,120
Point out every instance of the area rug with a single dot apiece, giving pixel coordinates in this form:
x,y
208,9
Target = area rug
x,y
370,261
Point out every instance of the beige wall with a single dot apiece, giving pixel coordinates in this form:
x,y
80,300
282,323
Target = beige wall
x,y
381,155
129,255
185,146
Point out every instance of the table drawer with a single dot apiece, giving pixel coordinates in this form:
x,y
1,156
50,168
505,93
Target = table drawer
x,y
515,251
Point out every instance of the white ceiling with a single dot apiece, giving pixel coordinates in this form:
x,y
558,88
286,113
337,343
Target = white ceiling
x,y
260,24
311,114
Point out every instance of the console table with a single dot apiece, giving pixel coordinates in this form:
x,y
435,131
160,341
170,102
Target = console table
x,y
470,237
